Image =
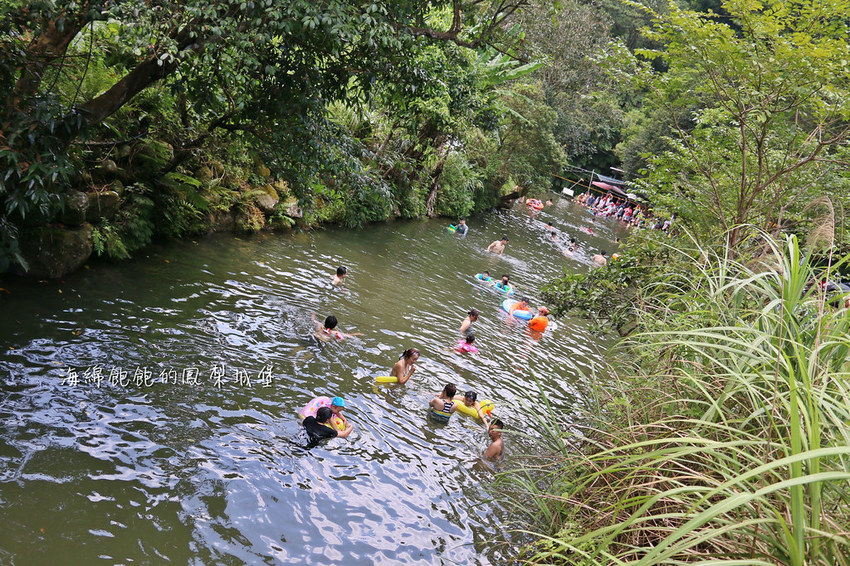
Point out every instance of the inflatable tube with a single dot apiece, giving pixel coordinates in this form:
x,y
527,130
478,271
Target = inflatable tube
x,y
462,347
309,410
480,277
523,314
487,407
534,203
538,323
451,228
504,291
338,423
386,379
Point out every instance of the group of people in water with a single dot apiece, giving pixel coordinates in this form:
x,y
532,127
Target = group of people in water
x,y
322,417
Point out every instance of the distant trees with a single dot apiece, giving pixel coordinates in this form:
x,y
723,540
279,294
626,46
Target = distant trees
x,y
757,112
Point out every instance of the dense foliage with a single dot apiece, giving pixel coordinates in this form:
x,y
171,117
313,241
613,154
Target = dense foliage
x,y
721,434
354,109
749,122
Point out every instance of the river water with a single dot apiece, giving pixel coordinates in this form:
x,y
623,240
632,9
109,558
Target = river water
x,y
148,408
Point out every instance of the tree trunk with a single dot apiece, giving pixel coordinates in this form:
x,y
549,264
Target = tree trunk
x,y
44,50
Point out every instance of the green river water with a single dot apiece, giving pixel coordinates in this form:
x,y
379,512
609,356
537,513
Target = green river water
x,y
210,467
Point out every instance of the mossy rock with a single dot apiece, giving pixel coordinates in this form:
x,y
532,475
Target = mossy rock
x,y
249,219
76,208
54,251
293,210
282,188
266,198
108,170
205,174
152,157
102,204
116,186
221,221
263,171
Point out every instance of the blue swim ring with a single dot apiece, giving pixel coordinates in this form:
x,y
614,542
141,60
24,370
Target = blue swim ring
x,y
502,290
523,314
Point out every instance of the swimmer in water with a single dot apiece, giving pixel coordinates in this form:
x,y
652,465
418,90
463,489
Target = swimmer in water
x,y
443,405
466,325
339,279
469,399
465,345
494,431
404,367
521,305
327,331
498,247
504,284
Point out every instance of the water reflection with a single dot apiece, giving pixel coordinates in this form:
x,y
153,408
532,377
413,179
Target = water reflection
x,y
209,465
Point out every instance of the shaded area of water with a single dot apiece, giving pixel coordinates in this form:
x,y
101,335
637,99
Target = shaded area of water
x,y
189,449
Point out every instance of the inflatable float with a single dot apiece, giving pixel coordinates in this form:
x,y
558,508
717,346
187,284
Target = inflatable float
x,y
309,410
534,203
523,314
486,405
464,348
509,291
386,379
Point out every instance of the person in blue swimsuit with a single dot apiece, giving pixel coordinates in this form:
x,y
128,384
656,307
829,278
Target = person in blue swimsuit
x,y
504,284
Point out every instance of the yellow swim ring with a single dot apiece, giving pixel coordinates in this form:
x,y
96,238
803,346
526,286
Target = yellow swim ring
x,y
487,407
337,422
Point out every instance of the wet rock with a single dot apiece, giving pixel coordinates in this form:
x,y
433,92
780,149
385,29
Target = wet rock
x,y
102,204
54,251
76,206
293,210
116,186
268,199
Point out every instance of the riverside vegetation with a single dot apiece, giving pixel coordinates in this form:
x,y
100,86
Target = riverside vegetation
x,y
720,433
124,122
722,437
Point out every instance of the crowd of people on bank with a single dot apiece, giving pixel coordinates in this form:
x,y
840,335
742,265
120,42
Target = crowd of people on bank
x,y
628,212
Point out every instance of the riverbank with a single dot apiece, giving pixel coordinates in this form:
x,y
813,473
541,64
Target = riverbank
x,y
721,434
123,206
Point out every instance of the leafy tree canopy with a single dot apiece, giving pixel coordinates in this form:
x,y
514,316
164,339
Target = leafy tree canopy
x,y
758,110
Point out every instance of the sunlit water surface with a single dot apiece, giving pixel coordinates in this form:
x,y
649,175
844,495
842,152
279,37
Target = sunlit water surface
x,y
211,466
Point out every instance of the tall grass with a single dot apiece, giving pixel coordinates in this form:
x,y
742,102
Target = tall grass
x,y
724,440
